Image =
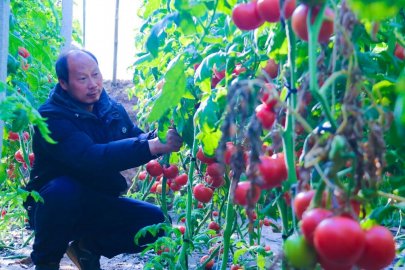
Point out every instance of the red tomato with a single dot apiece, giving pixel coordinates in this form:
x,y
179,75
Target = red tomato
x,y
238,69
154,168
3,213
19,156
265,115
203,158
302,201
23,52
202,193
142,175
170,172
399,51
331,266
154,187
241,193
31,158
182,229
209,264
214,226
215,182
273,170
215,170
246,17
181,179
339,240
271,68
310,220
215,213
266,93
230,150
379,251
266,222
269,10
236,267
13,136
26,136
174,186
299,23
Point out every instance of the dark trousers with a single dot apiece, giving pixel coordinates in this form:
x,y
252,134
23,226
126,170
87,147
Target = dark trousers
x,y
105,224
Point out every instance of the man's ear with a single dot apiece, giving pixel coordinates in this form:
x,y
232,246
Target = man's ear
x,y
63,84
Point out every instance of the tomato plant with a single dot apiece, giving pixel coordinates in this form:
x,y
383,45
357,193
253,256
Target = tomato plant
x,y
246,16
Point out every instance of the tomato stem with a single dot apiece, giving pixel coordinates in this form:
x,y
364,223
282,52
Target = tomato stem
x,y
230,216
313,32
166,159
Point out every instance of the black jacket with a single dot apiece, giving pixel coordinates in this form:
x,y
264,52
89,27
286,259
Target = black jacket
x,y
92,147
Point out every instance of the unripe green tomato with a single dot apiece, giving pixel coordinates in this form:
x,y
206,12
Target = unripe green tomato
x,y
298,253
313,2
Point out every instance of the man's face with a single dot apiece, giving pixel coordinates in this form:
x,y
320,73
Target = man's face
x,y
85,80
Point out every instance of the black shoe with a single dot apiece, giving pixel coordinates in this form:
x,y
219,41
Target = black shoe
x,y
51,266
83,259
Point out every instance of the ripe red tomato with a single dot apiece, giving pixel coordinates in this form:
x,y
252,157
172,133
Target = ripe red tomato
x,y
238,69
230,150
181,179
241,193
154,187
23,52
331,266
215,170
215,182
26,136
265,115
209,264
379,251
202,193
142,175
3,213
266,222
19,156
271,68
170,172
214,226
310,220
302,201
299,23
339,240
236,267
246,17
266,95
182,229
215,213
273,170
154,168
399,51
31,158
13,136
203,158
174,186
269,10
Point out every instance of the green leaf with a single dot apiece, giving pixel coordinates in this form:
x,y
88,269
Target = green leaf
x,y
376,10
187,25
173,89
150,6
382,212
157,33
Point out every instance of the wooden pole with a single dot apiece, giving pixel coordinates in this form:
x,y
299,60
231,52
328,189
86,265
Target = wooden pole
x,y
84,23
117,5
67,21
4,32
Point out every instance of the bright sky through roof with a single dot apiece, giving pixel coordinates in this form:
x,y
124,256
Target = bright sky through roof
x,y
100,19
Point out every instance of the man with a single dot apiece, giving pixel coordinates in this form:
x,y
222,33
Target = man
x,y
79,176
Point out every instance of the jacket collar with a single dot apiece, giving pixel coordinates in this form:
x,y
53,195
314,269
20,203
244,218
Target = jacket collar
x,y
64,101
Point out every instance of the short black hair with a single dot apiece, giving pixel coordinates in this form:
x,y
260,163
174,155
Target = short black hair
x,y
61,65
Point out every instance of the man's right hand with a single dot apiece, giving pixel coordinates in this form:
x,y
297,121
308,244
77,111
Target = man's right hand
x,y
173,143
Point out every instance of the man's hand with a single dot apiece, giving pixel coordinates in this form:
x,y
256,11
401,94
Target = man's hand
x,y
173,143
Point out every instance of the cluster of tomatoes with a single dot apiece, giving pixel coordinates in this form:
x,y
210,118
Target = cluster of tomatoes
x,y
18,155
175,181
249,16
336,241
